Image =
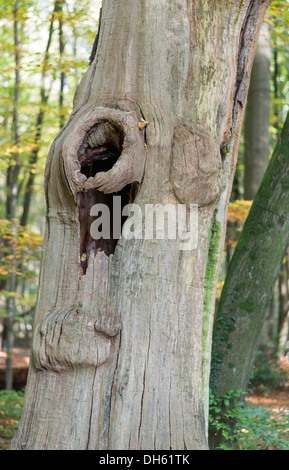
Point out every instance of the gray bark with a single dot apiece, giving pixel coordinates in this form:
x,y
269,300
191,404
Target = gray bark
x,y
258,116
119,337
256,128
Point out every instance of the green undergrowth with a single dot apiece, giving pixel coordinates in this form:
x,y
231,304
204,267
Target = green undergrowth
x,y
256,427
267,374
11,403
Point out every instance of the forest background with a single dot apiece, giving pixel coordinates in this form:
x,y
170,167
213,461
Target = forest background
x,y
44,50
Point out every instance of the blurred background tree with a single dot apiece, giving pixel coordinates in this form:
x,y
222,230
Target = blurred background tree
x,y
266,110
267,326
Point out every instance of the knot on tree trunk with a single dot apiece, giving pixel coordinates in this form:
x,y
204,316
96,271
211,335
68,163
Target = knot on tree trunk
x,y
70,337
106,152
196,167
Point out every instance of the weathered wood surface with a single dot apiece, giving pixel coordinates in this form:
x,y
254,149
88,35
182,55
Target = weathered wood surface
x,y
121,349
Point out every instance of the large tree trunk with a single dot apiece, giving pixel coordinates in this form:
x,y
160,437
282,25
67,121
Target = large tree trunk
x,y
121,353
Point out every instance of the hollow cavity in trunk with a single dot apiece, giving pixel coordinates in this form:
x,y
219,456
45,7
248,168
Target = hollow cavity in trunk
x,y
98,153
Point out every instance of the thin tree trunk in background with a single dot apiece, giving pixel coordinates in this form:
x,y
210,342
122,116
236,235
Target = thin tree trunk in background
x,y
75,70
257,116
13,169
44,95
32,163
62,72
283,310
276,91
11,201
251,278
10,308
122,334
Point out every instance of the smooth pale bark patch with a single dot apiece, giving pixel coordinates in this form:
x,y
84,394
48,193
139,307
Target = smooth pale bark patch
x,y
257,117
195,166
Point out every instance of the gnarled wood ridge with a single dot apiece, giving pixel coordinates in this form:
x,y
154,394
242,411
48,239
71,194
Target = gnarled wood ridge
x,y
122,333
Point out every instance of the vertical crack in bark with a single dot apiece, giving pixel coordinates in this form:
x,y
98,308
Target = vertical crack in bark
x,y
141,405
144,384
112,388
184,440
170,426
145,129
95,44
244,48
247,36
213,233
28,427
91,409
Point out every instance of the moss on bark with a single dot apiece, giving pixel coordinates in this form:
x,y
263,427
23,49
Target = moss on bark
x,y
251,276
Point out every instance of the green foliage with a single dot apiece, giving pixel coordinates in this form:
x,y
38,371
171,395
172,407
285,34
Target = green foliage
x,y
39,72
267,375
225,415
20,256
278,18
255,427
11,403
19,246
260,428
45,74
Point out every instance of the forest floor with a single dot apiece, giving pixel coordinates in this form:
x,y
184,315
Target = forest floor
x,y
275,401
20,362
11,402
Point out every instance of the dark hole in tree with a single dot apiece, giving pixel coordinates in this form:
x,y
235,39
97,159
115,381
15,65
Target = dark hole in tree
x,y
100,150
